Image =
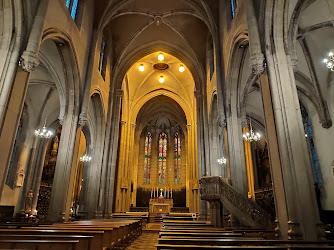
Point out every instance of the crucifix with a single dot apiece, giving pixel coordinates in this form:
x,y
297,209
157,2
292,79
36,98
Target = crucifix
x,y
161,192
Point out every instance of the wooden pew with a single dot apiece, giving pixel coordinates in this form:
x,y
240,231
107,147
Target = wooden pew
x,y
39,244
123,231
195,247
98,241
201,234
119,232
83,241
241,242
109,239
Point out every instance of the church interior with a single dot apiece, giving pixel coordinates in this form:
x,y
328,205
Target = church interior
x,y
144,124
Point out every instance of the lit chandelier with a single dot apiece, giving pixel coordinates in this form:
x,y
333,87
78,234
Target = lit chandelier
x,y
85,158
330,61
221,161
43,133
251,136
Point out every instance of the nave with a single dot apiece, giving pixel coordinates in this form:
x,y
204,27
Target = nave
x,y
132,231
117,111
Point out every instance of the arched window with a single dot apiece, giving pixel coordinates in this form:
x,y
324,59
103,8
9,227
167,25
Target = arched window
x,y
162,158
312,149
103,61
75,7
147,161
72,6
177,159
233,6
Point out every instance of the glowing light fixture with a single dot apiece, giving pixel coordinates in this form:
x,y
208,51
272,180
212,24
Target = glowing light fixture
x,y
161,57
43,133
141,68
85,158
221,161
330,61
161,79
251,136
181,69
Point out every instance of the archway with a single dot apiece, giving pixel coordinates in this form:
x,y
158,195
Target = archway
x,y
165,110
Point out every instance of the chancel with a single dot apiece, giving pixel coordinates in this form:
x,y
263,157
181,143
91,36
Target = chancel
x,y
186,123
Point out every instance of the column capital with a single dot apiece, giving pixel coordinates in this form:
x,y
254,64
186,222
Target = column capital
x,y
29,61
83,119
188,126
197,93
294,63
257,62
123,123
133,126
119,92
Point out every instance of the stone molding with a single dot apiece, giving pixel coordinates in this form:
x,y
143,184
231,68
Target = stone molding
x,y
29,61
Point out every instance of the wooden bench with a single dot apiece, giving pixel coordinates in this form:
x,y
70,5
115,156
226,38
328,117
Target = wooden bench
x,y
201,234
241,242
83,241
97,242
195,247
122,232
39,244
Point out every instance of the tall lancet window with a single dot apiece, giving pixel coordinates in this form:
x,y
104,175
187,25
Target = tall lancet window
x,y
147,161
312,150
162,158
177,159
72,5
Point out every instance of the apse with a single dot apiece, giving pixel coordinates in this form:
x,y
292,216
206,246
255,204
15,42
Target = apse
x,y
160,131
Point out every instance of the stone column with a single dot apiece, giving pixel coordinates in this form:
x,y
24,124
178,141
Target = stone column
x,y
200,149
39,164
10,112
106,152
88,79
236,151
63,182
110,181
28,176
303,215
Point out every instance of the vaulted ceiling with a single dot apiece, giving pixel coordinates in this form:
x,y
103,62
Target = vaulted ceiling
x,y
184,24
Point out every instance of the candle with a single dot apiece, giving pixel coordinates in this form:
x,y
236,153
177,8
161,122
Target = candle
x,y
168,193
165,193
171,194
151,192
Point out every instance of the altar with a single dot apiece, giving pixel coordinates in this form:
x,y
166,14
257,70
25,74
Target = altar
x,y
160,205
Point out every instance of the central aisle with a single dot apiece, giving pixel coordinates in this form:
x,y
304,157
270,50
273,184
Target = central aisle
x,y
148,239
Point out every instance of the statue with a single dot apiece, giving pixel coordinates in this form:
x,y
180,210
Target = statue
x,y
55,146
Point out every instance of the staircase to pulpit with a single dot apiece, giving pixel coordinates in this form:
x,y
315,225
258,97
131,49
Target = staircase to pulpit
x,y
219,193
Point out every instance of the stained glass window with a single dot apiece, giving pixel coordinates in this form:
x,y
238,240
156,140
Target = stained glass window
x,y
103,62
72,6
147,161
177,159
312,149
162,158
233,8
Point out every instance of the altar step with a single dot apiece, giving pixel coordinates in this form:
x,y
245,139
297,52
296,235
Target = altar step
x,y
155,218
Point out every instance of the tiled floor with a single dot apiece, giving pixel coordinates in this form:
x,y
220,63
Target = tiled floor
x,y
146,241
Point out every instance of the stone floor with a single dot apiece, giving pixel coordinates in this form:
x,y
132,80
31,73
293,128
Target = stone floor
x,y
146,241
